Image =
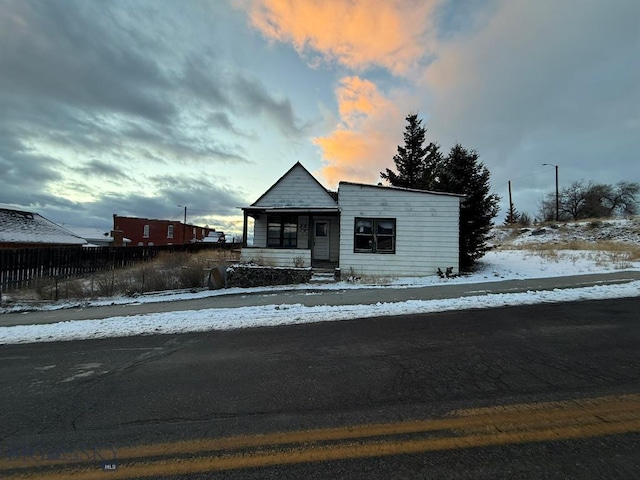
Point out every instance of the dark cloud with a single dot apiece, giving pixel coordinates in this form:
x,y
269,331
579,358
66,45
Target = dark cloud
x,y
98,79
76,53
544,83
102,169
253,97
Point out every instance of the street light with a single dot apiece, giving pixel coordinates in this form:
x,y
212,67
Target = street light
x,y
557,194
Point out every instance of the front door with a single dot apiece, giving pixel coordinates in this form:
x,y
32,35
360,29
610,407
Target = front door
x,y
321,235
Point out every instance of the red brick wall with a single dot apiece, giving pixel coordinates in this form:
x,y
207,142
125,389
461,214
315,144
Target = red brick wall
x,y
133,229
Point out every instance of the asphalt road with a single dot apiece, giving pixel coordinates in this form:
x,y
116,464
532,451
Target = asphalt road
x,y
542,391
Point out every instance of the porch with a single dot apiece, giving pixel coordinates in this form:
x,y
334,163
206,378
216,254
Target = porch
x,y
287,237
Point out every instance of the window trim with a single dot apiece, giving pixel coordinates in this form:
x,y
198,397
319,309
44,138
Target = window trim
x,y
374,235
145,231
282,220
169,231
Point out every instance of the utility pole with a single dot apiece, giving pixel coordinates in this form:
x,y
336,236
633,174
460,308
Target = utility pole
x,y
184,225
557,192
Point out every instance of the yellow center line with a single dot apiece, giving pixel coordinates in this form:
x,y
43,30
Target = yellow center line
x,y
493,426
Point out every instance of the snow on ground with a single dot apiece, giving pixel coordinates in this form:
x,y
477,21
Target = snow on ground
x,y
272,315
497,265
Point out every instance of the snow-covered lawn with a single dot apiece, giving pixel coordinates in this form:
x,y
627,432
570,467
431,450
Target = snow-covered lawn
x,y
272,315
497,265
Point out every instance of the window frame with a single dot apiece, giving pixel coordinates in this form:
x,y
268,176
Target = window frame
x,y
145,231
283,223
170,231
374,235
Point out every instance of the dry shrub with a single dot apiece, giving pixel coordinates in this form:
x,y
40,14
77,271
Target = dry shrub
x,y
602,253
167,271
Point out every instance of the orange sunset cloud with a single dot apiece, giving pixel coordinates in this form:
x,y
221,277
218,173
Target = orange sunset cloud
x,y
362,144
357,34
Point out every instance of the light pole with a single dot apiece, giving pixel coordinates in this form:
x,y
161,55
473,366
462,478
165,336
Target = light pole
x,y
557,194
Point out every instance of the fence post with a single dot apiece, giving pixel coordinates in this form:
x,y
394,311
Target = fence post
x,y
56,280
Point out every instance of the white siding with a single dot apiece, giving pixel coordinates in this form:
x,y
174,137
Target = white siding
x,y
334,241
277,257
303,231
296,189
260,231
427,228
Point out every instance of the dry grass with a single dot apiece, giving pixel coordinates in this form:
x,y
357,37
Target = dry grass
x,y
167,271
602,253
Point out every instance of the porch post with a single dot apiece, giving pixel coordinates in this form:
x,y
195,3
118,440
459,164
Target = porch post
x,y
244,229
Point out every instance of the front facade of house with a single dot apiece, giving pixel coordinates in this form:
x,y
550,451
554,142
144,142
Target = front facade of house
x,y
362,229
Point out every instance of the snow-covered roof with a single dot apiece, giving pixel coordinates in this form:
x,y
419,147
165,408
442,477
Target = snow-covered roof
x,y
95,235
405,189
17,226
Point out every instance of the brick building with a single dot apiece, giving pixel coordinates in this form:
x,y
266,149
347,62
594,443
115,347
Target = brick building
x,y
150,231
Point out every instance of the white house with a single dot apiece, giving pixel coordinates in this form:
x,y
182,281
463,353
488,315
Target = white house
x,y
364,229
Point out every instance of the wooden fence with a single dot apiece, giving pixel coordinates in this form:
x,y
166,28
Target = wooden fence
x,y
20,267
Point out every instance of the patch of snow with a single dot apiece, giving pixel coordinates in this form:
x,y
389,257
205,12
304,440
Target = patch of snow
x,y
273,315
495,266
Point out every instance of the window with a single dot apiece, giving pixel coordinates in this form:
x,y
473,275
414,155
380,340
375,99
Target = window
x,y
375,235
170,231
145,231
282,232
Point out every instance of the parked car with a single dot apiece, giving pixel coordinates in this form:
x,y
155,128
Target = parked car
x,y
214,237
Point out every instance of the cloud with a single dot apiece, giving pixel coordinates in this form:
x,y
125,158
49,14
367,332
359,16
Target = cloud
x,y
252,96
393,34
543,82
362,144
102,169
56,52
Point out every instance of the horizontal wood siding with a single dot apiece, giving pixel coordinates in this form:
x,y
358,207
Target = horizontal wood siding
x,y
334,241
277,257
260,231
427,228
296,189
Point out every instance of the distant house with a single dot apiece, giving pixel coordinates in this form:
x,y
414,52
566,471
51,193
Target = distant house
x,y
149,231
99,238
21,229
364,229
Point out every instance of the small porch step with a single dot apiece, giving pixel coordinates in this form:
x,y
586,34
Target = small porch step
x,y
322,275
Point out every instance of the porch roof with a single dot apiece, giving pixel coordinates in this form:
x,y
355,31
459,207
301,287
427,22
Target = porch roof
x,y
306,209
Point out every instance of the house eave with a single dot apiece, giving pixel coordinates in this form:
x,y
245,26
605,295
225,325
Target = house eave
x,y
252,209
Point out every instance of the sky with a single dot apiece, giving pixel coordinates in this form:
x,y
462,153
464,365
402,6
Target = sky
x,y
141,107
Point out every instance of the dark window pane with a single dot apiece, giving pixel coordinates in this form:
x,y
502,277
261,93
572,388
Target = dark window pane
x,y
385,243
364,242
274,227
364,226
385,227
321,229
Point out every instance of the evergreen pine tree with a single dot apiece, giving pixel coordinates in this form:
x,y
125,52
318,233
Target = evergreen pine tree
x,y
513,216
410,159
462,172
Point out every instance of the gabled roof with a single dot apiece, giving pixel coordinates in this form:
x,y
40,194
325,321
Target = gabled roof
x,y
17,226
404,189
296,188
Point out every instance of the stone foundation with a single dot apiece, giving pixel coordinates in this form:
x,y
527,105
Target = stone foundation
x,y
257,276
